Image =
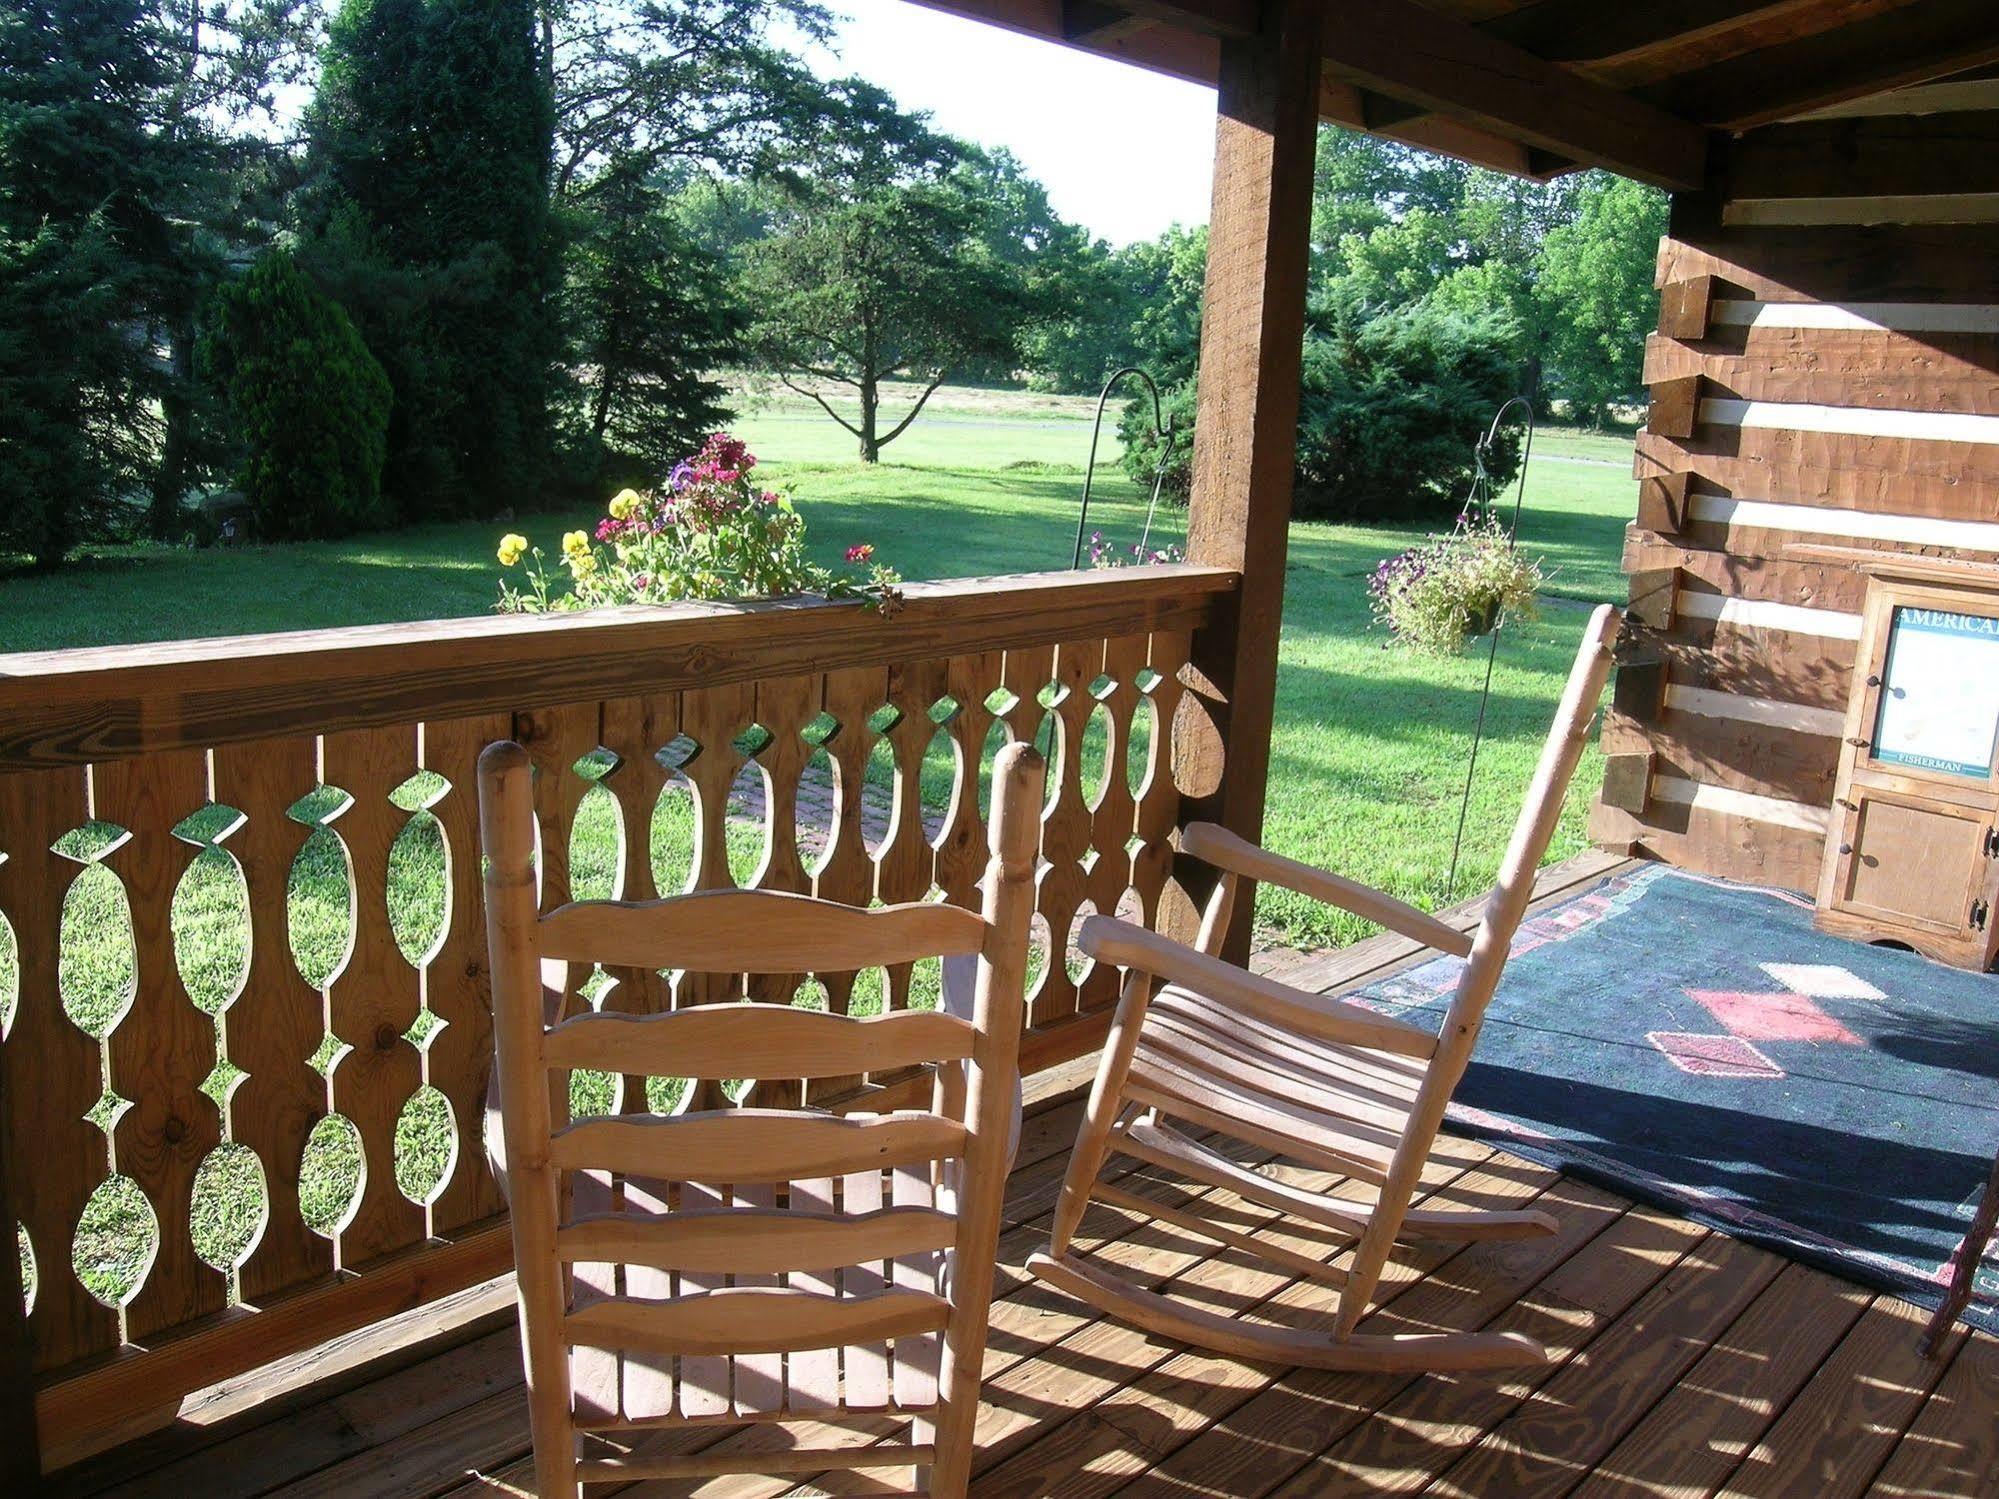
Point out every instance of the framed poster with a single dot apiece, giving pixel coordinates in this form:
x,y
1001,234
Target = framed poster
x,y
1939,703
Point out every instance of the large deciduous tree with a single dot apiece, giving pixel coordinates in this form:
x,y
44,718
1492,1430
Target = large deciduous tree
x,y
881,265
1596,287
432,133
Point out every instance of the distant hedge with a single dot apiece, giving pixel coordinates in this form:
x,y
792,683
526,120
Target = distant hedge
x,y
311,404
1391,405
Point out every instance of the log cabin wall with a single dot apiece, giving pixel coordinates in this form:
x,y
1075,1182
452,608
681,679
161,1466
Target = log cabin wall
x,y
1825,374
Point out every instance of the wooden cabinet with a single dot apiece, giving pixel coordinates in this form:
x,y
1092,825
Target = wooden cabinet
x,y
1914,855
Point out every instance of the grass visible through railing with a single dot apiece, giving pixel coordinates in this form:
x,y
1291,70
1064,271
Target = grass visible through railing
x,y
210,918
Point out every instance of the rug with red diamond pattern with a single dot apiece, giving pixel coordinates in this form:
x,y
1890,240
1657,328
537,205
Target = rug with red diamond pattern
x,y
1698,1044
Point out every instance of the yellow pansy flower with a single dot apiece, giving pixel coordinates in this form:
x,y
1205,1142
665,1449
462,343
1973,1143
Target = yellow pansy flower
x,y
624,504
575,543
512,548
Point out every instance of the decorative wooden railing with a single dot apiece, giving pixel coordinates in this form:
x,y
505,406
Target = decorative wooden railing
x,y
764,721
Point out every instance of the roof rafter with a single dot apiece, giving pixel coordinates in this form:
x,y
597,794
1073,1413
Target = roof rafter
x,y
1914,44
1447,67
1591,31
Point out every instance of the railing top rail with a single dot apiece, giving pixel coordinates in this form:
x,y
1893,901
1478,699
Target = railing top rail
x,y
110,702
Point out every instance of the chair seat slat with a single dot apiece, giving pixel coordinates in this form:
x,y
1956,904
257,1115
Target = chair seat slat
x,y
754,1145
756,931
753,1319
755,1040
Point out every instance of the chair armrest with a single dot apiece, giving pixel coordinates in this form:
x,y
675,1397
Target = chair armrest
x,y
1109,940
1216,845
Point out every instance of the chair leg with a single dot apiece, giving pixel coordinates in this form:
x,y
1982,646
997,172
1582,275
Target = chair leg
x,y
1101,1113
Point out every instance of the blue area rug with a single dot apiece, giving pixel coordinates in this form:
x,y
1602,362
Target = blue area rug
x,y
1698,1044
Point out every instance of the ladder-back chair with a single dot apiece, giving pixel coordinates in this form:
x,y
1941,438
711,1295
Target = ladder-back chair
x,y
752,1267
1320,1082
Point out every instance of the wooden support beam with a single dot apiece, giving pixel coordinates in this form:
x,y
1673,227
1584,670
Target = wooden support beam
x,y
1246,426
1684,307
1662,502
1589,31
1230,18
1401,49
1675,407
1936,156
1911,44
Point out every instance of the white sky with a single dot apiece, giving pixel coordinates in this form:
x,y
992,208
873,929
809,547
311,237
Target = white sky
x,y
1124,152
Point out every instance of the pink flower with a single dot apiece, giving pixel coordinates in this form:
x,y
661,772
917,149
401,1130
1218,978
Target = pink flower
x,y
861,553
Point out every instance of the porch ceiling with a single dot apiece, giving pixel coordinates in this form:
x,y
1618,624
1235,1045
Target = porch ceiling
x,y
1540,87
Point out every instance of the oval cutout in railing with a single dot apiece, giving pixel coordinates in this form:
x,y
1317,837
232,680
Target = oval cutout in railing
x,y
419,899
1094,755
818,791
997,738
330,1175
98,967
940,784
426,1145
746,823
210,916
1138,746
320,892
674,822
596,846
117,1238
229,1206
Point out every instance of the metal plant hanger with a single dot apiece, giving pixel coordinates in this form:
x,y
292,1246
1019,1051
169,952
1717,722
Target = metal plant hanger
x,y
1162,431
1479,505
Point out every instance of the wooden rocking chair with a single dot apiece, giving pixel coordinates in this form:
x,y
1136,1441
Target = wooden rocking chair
x,y
737,1267
1319,1081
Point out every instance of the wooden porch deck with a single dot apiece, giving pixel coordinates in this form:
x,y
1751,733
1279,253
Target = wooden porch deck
x,y
1686,1364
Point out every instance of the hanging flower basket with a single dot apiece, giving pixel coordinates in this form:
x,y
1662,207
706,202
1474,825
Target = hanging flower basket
x,y
710,532
1454,588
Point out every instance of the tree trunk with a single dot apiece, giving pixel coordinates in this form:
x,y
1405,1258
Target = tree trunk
x,y
871,451
170,479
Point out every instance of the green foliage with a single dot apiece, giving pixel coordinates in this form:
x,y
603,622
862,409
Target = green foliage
x,y
431,138
1391,406
1596,286
1143,441
82,176
881,263
652,316
311,404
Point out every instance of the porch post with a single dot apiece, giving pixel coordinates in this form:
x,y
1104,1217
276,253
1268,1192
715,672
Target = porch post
x,y
1245,435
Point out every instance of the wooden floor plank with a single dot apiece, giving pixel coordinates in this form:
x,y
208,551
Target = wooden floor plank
x,y
1544,1449
1284,1418
1692,1439
1952,1447
1025,1317
1840,1430
1404,1443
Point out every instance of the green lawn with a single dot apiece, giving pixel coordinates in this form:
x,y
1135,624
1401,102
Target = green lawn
x,y
1368,759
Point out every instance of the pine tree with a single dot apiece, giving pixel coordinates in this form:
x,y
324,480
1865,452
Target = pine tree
x,y
310,402
431,130
81,180
653,318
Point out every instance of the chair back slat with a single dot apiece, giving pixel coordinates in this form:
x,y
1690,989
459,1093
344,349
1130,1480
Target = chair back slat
x,y
754,1145
750,1039
756,1241
755,931
735,1264
753,1319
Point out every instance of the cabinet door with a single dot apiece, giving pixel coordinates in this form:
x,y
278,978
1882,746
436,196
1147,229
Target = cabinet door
x,y
1913,862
